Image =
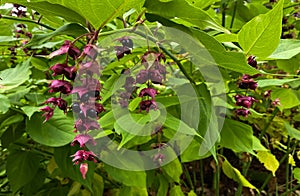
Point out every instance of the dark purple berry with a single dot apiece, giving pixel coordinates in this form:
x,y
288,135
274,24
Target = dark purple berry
x,y
81,115
91,113
76,107
94,93
127,42
85,98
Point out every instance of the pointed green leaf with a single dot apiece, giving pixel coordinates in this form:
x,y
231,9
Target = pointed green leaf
x,y
57,131
13,77
269,160
237,136
261,35
98,13
176,190
236,175
274,82
294,133
286,49
185,11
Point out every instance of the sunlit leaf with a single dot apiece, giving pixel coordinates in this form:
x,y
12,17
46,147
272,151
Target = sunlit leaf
x,y
261,35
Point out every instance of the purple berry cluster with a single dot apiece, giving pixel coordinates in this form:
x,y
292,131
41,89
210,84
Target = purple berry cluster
x,y
246,82
153,72
87,90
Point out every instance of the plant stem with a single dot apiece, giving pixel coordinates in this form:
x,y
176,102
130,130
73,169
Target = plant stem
x,y
268,124
233,14
27,20
287,169
291,190
188,176
201,177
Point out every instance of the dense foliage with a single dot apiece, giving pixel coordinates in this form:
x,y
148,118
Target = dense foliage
x,y
153,97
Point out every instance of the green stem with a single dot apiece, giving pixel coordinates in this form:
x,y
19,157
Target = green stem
x,y
188,176
262,133
201,177
27,20
297,187
233,14
297,4
287,169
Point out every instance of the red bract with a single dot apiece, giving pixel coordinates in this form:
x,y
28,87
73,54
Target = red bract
x,y
148,92
242,112
147,105
48,112
252,62
86,124
84,167
62,104
90,51
60,86
67,47
83,139
82,155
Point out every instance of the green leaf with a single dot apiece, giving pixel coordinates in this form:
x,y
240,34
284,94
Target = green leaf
x,y
288,97
176,190
133,191
14,77
173,170
50,9
286,49
296,173
72,29
134,103
98,184
163,186
261,35
4,39
274,82
294,133
126,177
202,4
4,104
192,193
236,175
269,160
30,110
21,167
209,51
237,136
57,131
290,65
178,125
98,13
12,120
227,38
182,9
